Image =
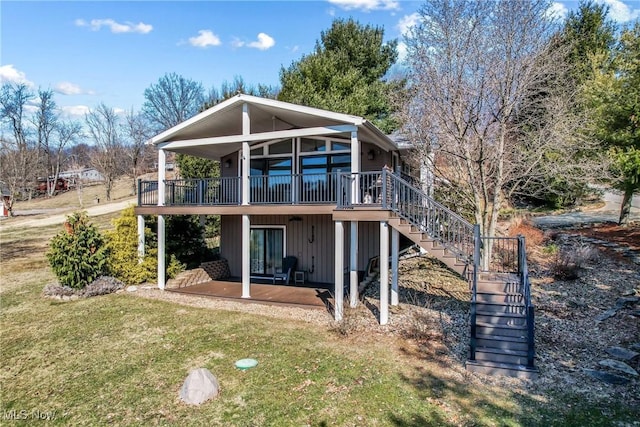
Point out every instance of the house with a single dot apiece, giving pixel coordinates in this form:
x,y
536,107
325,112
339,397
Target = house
x,y
321,186
84,175
5,194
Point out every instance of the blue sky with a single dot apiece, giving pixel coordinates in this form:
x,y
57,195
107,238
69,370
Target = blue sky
x,y
92,52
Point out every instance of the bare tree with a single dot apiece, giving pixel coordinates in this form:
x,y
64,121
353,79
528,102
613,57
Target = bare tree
x,y
137,131
172,100
45,121
487,110
19,156
104,129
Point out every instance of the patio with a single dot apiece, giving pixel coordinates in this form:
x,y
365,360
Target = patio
x,y
306,297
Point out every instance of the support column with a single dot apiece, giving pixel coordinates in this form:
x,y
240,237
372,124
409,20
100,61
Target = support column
x,y
246,256
395,248
384,272
246,154
162,167
140,238
353,265
162,274
355,168
339,270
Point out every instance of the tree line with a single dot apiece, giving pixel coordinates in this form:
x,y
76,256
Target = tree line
x,y
503,103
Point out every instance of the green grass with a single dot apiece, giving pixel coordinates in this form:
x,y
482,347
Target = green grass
x,y
121,359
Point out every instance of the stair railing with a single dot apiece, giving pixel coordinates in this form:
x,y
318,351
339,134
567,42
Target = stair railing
x,y
430,217
526,290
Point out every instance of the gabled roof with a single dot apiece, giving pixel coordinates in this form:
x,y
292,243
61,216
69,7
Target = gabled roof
x,y
218,131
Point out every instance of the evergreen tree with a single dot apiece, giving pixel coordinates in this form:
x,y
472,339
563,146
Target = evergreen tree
x,y
346,73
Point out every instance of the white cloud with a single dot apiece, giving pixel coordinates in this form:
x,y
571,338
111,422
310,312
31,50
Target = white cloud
x,y
557,11
407,22
402,51
205,39
236,42
264,42
366,5
620,12
67,88
9,73
116,27
76,110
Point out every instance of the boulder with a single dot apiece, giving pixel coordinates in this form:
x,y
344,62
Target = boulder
x,y
200,386
619,366
622,353
606,377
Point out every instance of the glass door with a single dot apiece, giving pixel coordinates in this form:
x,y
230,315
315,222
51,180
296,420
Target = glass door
x,y
267,250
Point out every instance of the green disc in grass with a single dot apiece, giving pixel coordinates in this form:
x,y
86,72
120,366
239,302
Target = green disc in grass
x,y
246,363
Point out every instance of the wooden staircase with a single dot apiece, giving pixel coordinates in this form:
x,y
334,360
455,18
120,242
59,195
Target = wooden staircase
x,y
502,316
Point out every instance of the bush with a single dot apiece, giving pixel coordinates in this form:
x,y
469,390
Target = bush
x,y
123,245
124,261
569,261
78,254
185,240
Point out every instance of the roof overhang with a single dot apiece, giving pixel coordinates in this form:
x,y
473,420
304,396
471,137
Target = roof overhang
x,y
217,131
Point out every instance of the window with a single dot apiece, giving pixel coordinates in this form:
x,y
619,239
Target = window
x,y
312,145
282,147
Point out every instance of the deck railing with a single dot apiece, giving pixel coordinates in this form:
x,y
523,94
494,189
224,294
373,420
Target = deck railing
x,y
320,188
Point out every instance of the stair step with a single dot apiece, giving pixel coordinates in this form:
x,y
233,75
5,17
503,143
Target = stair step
x,y
506,369
489,307
513,357
498,298
504,319
519,331
510,288
502,342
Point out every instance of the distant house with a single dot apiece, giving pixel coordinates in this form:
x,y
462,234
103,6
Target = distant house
x,y
84,175
6,196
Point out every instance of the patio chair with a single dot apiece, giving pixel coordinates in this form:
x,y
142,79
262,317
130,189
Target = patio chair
x,y
288,267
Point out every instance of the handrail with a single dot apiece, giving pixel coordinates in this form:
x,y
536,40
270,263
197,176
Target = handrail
x,y
434,219
526,290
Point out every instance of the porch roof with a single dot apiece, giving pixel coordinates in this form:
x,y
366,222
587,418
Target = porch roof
x,y
217,131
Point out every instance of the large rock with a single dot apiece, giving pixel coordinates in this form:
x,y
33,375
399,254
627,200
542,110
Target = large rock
x,y
619,366
622,353
606,377
200,386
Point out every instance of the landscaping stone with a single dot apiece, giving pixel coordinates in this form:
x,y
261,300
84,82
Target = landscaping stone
x,y
623,302
618,366
606,377
132,288
622,353
200,386
607,314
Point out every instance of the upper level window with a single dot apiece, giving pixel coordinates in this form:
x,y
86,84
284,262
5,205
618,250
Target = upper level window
x,y
282,147
311,145
340,146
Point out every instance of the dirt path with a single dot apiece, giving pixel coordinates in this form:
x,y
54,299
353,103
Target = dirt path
x,y
59,218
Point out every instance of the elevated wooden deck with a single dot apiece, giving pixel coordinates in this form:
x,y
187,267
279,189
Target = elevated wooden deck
x,y
288,295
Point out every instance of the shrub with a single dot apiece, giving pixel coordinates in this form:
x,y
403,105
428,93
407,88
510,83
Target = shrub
x,y
185,240
568,262
124,260
78,254
122,241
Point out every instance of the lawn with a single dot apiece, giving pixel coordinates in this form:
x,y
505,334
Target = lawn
x,y
121,359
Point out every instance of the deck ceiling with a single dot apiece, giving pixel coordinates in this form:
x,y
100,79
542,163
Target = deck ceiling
x,y
266,116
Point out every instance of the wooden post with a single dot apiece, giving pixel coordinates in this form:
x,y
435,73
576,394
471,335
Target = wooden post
x,y
384,273
395,248
246,154
140,239
161,252
246,256
353,264
339,270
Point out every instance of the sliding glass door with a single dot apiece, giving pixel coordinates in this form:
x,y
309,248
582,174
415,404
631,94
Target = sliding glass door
x,y
267,250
